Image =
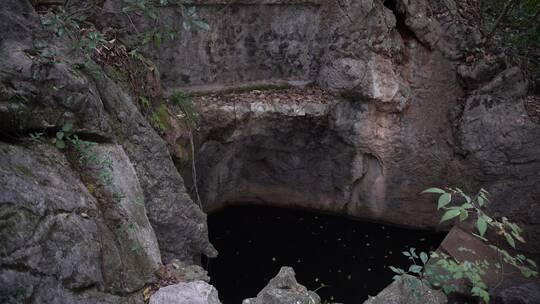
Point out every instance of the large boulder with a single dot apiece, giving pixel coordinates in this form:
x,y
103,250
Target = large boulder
x,y
180,225
284,289
401,291
197,292
60,242
500,147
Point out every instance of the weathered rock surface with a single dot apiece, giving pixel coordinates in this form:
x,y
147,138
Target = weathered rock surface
x,y
527,293
39,90
391,66
368,150
400,292
500,146
404,114
177,270
59,241
331,154
197,292
284,289
81,226
179,224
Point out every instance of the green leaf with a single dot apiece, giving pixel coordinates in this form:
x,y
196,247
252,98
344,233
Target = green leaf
x,y
481,201
59,134
396,270
463,215
444,199
434,190
60,144
481,224
533,263
67,127
467,206
423,257
481,293
415,269
448,289
510,240
450,214
413,253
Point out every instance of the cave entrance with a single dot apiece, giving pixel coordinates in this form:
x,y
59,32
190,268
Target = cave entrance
x,y
349,256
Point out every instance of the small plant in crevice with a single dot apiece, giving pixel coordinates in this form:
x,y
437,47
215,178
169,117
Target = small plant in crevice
x,y
63,23
160,117
189,112
73,24
36,137
87,158
415,274
472,271
190,117
63,135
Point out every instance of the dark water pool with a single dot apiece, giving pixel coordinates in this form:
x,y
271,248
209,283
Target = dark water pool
x,y
349,256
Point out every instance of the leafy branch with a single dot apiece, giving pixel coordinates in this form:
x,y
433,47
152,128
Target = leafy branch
x,y
471,271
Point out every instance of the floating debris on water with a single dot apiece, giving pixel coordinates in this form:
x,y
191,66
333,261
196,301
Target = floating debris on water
x,y
344,254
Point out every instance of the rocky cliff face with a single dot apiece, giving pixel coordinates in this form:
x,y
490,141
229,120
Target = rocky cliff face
x,y
371,102
365,150
86,223
411,102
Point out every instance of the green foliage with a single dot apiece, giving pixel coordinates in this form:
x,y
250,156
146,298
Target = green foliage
x,y
162,29
63,23
475,205
516,30
145,61
191,18
87,156
189,112
160,117
36,136
415,273
61,136
92,41
470,271
118,75
84,39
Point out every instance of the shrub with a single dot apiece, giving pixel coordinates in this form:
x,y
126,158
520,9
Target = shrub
x,y
469,208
